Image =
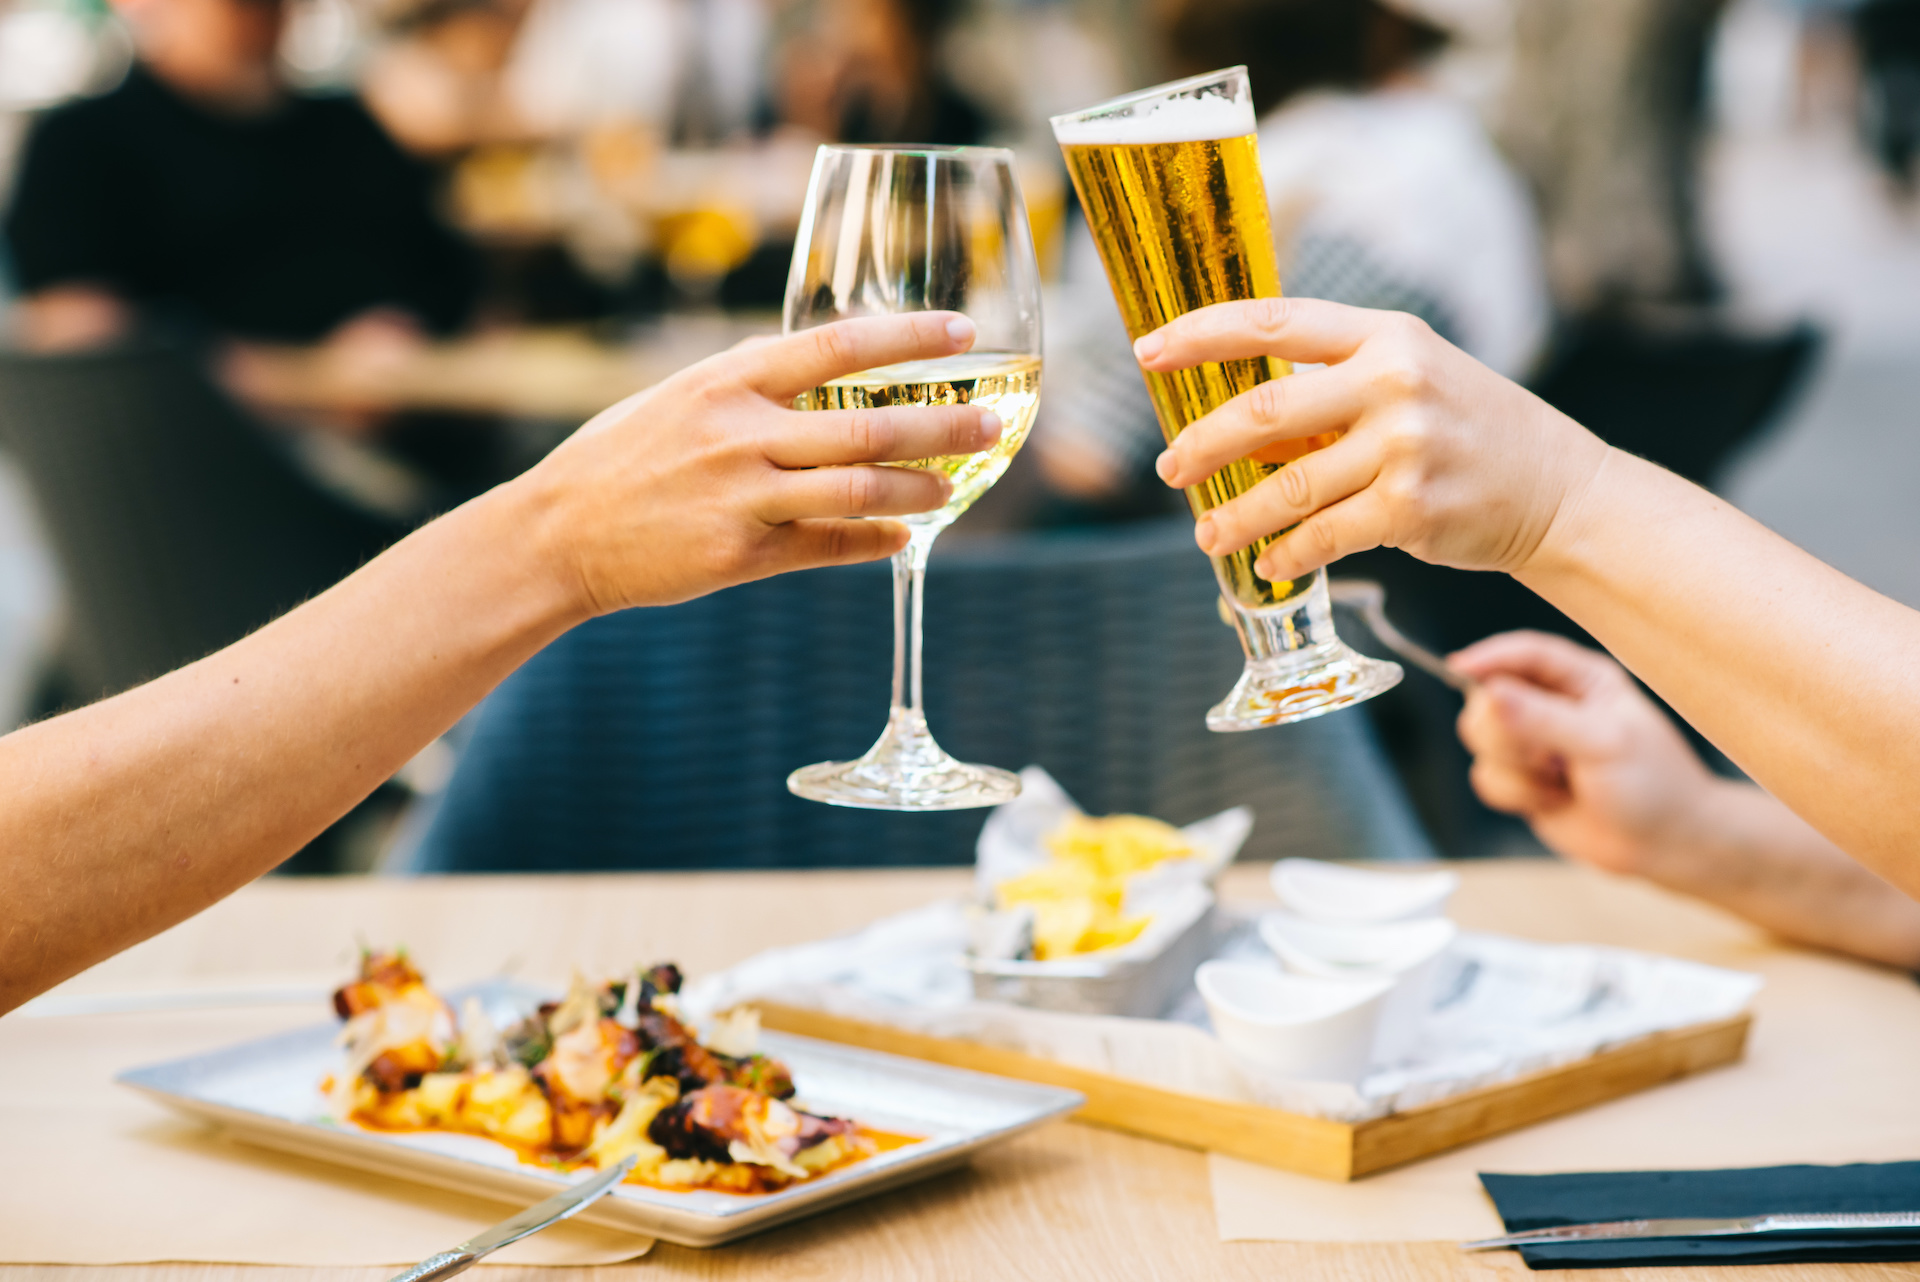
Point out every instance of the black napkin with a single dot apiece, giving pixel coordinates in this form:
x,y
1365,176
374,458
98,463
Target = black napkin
x,y
1547,1201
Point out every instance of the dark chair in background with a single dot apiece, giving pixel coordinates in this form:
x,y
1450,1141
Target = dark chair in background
x,y
179,525
1687,394
662,738
1888,35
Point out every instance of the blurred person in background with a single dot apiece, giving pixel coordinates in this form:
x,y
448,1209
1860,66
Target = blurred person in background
x,y
457,74
869,71
436,79
1565,738
204,201
1384,193
1605,115
203,192
575,132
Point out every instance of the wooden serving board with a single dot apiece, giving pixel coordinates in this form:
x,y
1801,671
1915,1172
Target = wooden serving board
x,y
1293,1141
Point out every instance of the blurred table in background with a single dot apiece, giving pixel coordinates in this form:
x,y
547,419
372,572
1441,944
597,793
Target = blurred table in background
x,y
557,373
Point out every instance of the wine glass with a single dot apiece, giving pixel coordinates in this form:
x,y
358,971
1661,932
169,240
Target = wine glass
x,y
905,229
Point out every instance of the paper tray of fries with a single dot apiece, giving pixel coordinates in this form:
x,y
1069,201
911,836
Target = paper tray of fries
x,y
1093,916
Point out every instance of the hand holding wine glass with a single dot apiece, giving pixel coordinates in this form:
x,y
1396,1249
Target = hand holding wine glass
x,y
710,478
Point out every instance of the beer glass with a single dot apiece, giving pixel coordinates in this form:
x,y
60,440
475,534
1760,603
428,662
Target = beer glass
x,y
1169,178
889,230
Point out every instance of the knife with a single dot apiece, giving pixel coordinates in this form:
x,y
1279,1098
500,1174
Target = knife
x,y
563,1205
1753,1225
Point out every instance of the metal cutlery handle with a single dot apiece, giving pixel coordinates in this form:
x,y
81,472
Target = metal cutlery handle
x,y
562,1205
1747,1226
443,1265
1369,600
1840,1220
1616,1230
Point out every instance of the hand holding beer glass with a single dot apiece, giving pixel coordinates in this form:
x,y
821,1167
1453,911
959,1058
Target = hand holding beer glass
x,y
889,230
1169,178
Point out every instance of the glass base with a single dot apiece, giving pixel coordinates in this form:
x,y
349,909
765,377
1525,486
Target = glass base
x,y
1271,693
905,770
1296,666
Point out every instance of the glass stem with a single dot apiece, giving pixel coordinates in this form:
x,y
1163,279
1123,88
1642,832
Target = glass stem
x,y
909,596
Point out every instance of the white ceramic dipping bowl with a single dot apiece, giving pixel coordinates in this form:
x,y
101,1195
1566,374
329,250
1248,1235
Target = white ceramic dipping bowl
x,y
1296,1026
1328,892
1404,954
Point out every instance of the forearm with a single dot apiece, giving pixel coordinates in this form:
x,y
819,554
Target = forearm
x,y
127,816
1806,679
1744,851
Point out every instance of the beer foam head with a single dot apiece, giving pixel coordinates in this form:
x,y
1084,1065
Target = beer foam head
x,y
1201,119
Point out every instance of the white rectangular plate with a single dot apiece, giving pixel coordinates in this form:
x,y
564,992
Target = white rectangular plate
x,y
268,1092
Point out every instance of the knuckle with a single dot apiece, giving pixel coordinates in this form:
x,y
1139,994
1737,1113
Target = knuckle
x,y
1320,538
727,554
837,540
1268,401
870,434
1408,327
1403,375
710,384
1403,489
1271,316
1295,488
861,489
835,344
1410,438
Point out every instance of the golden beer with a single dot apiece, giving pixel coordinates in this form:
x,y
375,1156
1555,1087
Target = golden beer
x,y
1008,383
1181,225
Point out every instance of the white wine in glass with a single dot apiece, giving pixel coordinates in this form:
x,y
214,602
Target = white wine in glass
x,y
890,230
1008,383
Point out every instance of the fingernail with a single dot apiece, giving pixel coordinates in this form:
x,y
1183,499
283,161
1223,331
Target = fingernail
x,y
990,426
1203,533
1145,349
960,330
1166,465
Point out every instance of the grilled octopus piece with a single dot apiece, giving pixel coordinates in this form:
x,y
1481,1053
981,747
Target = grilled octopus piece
x,y
676,1054
705,1124
383,976
399,1017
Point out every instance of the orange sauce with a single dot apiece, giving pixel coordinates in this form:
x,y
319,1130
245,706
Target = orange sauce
x,y
882,1142
534,1155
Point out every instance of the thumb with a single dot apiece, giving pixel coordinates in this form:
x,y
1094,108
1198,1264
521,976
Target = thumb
x,y
1548,722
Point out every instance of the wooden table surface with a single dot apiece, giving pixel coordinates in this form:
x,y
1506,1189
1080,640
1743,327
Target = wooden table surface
x,y
1068,1202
